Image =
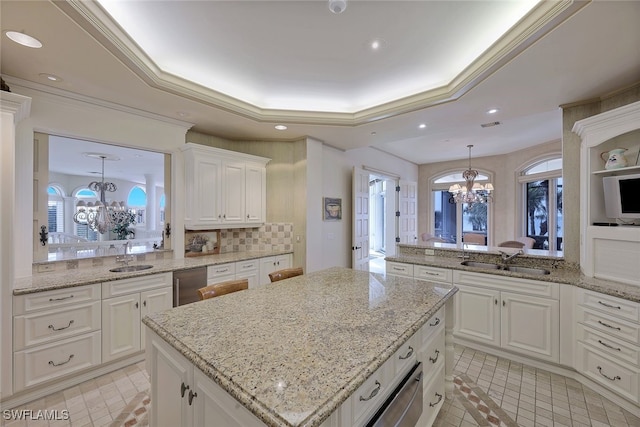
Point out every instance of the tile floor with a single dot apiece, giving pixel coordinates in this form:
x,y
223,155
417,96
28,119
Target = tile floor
x,y
489,391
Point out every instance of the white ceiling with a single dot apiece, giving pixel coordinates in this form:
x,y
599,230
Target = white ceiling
x,y
259,63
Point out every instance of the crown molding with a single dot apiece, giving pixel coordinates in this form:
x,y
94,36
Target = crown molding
x,y
539,21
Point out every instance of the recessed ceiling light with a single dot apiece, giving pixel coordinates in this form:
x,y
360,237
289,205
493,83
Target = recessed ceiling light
x,y
183,114
50,77
422,125
492,111
280,127
24,39
376,44
373,133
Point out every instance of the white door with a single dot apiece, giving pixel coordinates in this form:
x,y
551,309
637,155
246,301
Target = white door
x,y
529,325
477,314
408,207
120,326
360,226
206,209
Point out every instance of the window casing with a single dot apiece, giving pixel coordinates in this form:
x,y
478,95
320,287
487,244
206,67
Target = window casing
x,y
541,207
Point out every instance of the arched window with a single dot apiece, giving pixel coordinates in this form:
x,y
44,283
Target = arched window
x,y
137,202
541,207
55,209
451,221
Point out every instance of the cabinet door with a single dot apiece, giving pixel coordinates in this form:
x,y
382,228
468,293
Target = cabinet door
x,y
120,326
152,302
172,377
477,314
211,403
249,270
530,325
205,207
267,265
233,192
283,261
255,194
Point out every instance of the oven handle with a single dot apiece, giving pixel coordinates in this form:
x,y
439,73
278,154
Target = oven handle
x,y
409,399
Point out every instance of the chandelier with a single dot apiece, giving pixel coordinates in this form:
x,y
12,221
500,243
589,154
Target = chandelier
x,y
100,216
470,192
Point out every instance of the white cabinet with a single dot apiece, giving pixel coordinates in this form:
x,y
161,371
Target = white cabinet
x,y
417,271
399,269
125,302
184,396
270,264
514,314
608,342
56,334
224,189
249,270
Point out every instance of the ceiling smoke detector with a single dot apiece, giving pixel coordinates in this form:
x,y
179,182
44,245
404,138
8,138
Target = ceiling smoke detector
x,y
337,6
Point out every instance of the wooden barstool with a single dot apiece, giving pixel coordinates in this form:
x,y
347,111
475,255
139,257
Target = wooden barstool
x,y
285,274
223,288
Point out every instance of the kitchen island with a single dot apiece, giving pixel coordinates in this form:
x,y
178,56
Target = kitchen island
x,y
291,353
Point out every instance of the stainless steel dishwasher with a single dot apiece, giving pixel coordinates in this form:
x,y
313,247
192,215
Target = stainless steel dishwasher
x,y
404,407
186,284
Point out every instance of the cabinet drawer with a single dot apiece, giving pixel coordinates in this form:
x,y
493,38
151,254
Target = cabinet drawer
x,y
432,355
28,303
399,269
611,305
434,325
46,326
135,284
433,273
247,266
618,377
608,324
220,270
51,361
607,343
405,357
433,398
505,283
370,395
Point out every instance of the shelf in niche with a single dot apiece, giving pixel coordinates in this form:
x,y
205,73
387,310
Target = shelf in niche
x,y
615,171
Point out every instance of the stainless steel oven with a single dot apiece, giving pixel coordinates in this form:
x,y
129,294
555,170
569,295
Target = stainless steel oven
x,y
404,407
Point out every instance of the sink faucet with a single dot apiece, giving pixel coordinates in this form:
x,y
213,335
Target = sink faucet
x,y
464,255
127,257
508,257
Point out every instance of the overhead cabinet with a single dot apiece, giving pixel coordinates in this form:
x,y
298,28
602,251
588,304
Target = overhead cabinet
x,y
224,189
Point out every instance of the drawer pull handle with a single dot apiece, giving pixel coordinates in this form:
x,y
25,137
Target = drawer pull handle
x,y
428,273
60,299
408,355
609,326
373,393
617,377
53,328
398,268
183,388
52,363
222,271
439,396
192,395
609,346
436,323
617,307
434,360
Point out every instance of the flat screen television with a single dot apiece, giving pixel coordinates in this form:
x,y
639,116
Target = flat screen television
x,y
622,196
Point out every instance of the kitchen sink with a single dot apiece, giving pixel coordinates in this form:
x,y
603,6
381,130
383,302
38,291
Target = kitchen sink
x,y
129,268
476,264
527,270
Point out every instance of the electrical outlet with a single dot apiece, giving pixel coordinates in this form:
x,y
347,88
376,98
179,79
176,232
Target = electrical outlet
x,y
42,268
429,252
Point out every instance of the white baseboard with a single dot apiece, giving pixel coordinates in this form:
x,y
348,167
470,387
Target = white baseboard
x,y
41,391
566,371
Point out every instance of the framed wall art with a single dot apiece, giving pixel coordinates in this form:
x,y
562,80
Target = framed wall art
x,y
332,209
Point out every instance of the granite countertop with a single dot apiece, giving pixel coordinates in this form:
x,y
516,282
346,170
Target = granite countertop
x,y
564,275
85,276
293,353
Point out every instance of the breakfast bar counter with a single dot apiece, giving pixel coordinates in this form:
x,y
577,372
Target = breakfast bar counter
x,y
293,352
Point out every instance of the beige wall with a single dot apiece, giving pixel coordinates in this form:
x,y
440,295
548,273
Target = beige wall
x,y
503,170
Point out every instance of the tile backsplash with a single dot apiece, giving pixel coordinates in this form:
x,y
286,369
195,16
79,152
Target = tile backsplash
x,y
270,236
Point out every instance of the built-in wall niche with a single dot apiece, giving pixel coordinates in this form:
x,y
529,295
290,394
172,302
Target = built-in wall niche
x,y
64,168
